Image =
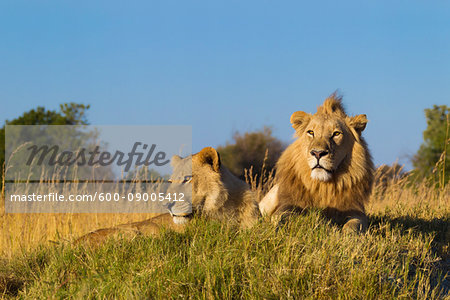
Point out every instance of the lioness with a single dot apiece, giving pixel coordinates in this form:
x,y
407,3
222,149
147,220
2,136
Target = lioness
x,y
216,193
328,166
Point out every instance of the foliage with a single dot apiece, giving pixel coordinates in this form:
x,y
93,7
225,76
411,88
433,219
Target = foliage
x,y
251,149
432,158
144,173
68,114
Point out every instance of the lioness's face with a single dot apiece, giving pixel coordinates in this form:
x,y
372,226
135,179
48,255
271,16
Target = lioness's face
x,y
202,171
327,140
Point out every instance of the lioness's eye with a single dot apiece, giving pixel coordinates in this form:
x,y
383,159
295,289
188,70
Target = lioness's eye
x,y
310,132
336,133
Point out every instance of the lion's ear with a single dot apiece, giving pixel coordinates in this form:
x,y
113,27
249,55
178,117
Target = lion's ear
x,y
359,123
299,118
210,156
175,160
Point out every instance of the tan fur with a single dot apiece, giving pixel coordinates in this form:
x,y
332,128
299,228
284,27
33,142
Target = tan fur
x,y
216,194
147,227
342,185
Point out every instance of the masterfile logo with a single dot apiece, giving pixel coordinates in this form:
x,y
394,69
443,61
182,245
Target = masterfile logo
x,y
81,168
97,157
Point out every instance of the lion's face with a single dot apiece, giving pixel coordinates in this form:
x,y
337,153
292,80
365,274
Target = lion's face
x,y
216,192
202,171
328,143
326,140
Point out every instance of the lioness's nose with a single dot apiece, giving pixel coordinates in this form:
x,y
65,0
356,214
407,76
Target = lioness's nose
x,y
319,154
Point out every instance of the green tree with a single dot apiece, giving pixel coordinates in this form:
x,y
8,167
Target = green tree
x,y
144,173
68,114
249,149
432,158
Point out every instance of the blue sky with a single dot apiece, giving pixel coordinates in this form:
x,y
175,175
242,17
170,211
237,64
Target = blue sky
x,y
223,66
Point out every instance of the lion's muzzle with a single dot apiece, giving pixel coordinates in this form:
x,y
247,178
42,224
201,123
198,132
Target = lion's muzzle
x,y
319,161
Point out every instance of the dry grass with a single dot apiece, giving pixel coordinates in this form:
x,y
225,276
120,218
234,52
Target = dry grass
x,y
396,196
23,232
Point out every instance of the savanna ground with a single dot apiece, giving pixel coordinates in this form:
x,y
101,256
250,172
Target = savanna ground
x,y
404,254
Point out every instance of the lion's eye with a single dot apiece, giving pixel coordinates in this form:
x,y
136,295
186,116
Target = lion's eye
x,y
336,133
310,132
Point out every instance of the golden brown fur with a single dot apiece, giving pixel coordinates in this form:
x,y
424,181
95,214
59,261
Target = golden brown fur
x,y
216,194
328,166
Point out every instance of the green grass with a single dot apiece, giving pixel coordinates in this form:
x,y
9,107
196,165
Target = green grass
x,y
307,258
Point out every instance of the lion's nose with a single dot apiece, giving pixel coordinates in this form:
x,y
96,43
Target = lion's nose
x,y
319,154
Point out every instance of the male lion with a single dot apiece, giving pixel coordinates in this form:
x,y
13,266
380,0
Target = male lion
x,y
216,194
328,166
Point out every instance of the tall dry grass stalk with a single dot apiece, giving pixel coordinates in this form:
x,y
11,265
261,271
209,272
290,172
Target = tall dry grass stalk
x,y
442,162
262,184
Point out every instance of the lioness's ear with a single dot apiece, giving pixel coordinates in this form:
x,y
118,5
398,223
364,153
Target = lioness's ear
x,y
175,160
210,156
359,123
299,118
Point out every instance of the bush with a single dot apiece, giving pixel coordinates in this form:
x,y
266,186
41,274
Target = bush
x,y
251,150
